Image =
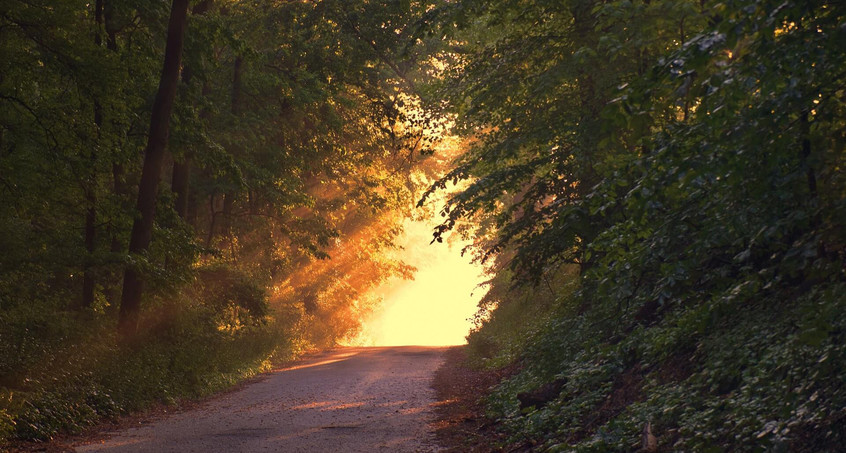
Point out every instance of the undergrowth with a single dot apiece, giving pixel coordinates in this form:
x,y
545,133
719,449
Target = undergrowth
x,y
61,372
765,374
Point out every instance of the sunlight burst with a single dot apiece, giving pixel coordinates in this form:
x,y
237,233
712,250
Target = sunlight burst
x,y
435,308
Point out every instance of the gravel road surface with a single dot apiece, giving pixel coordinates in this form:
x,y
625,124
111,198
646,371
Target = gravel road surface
x,y
345,400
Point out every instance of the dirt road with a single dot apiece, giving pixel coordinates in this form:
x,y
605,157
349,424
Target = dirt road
x,y
346,400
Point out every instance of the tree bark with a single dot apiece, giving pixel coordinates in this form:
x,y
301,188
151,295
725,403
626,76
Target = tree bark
x,y
228,202
142,227
112,287
236,85
118,187
179,185
180,181
806,154
212,220
229,196
88,282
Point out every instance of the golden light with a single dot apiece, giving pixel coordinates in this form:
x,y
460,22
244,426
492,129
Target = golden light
x,y
435,308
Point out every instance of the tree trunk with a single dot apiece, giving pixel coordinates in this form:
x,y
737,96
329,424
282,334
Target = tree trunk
x,y
229,196
118,187
112,287
236,85
805,125
212,220
88,282
142,227
182,167
193,207
228,203
179,185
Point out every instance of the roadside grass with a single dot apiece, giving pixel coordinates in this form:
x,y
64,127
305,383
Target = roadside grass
x,y
61,372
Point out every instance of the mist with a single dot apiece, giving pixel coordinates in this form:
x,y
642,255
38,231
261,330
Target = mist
x,y
436,307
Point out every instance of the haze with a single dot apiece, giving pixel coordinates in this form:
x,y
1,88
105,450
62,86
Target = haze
x,y
435,308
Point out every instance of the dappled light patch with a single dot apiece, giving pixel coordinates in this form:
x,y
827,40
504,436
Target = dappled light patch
x,y
335,358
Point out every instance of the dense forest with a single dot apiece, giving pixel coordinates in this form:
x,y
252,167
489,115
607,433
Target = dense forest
x,y
176,176
192,189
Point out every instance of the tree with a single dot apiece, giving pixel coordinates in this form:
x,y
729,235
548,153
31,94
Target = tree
x,y
676,152
142,227
529,85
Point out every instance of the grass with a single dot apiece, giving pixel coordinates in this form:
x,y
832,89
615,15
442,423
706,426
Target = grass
x,y
61,372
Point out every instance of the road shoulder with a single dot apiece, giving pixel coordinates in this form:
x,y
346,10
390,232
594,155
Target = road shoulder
x,y
461,425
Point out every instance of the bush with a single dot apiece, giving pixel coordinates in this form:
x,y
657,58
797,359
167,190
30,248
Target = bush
x,y
82,373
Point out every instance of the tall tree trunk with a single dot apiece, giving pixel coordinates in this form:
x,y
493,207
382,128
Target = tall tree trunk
x,y
585,172
88,282
119,189
212,220
142,227
236,85
228,203
584,23
179,185
181,175
193,208
230,195
112,287
118,186
805,125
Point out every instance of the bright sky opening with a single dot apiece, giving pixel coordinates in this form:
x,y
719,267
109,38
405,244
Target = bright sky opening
x,y
435,308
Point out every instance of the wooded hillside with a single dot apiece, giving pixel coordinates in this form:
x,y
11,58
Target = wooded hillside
x,y
659,187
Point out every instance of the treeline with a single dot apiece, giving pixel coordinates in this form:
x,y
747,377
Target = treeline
x,y
659,187
183,170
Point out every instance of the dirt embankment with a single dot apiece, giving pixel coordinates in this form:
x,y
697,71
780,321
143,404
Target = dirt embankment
x,y
461,425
